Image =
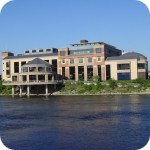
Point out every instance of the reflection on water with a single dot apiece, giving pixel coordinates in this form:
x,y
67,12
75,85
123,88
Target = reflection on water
x,y
75,122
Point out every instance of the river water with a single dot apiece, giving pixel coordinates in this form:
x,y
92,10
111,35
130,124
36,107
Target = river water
x,y
75,122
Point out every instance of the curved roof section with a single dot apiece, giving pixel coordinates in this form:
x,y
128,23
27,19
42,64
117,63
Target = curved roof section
x,y
129,55
37,62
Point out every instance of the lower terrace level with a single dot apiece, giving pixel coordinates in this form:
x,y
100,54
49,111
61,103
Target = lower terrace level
x,y
83,73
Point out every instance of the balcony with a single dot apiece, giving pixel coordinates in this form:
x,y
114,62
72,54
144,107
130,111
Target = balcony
x,y
32,82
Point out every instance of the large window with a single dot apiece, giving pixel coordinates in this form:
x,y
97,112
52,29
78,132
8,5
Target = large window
x,y
124,76
81,52
54,65
89,72
72,73
81,72
98,50
123,66
99,72
108,70
16,67
63,72
141,66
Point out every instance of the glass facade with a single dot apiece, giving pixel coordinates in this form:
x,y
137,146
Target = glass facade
x,y
72,73
108,71
81,52
63,72
99,72
89,72
81,73
16,67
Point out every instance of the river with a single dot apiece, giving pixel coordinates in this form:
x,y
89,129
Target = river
x,y
75,122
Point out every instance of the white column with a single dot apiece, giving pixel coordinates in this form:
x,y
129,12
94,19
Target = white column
x,y
28,90
20,90
46,89
13,91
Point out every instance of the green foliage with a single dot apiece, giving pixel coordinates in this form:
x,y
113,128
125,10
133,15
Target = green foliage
x,y
112,83
4,89
110,86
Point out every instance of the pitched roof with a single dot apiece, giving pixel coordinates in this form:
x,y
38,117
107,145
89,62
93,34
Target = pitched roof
x,y
129,55
37,62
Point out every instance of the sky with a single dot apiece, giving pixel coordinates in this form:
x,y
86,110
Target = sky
x,y
33,24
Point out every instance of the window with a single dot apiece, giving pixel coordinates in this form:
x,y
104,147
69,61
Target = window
x,y
71,61
63,72
123,66
16,67
108,72
23,63
81,52
32,69
47,61
98,58
80,60
14,78
63,61
7,72
48,50
62,53
124,76
25,69
41,50
72,73
98,50
141,66
81,72
33,51
89,72
24,78
41,69
7,64
89,60
26,51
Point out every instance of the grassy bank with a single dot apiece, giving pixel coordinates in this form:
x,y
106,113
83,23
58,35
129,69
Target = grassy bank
x,y
110,86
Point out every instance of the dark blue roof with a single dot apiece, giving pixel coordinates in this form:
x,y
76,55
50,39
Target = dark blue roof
x,y
129,55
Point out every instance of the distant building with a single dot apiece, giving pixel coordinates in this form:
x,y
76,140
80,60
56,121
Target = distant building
x,y
42,68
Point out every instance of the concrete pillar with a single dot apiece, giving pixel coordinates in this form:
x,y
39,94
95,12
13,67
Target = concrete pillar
x,y
46,78
52,78
13,90
76,73
85,73
46,89
28,90
20,90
